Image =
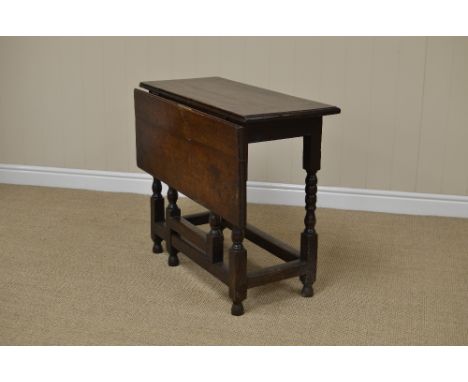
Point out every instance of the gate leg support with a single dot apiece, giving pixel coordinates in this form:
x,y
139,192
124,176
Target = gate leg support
x,y
237,272
172,212
157,214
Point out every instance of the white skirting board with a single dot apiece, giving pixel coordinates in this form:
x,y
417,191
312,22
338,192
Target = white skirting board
x,y
257,192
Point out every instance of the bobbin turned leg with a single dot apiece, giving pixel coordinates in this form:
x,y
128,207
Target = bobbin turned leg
x,y
237,272
309,237
172,211
157,214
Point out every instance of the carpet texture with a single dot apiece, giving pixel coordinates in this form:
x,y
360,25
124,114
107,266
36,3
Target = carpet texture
x,y
76,268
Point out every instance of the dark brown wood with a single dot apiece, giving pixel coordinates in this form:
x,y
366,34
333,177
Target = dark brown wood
x,y
276,273
237,272
215,239
311,152
212,153
281,129
157,215
269,243
219,270
188,231
309,237
161,230
193,135
236,101
172,213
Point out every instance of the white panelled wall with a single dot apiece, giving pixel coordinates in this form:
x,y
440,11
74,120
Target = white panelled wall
x,y
66,102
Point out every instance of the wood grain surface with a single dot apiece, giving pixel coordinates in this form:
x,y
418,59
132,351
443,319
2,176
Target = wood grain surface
x,y
236,101
208,166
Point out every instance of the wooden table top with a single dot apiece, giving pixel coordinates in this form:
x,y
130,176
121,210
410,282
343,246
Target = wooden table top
x,y
236,101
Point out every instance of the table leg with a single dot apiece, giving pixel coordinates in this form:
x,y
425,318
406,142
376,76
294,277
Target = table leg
x,y
309,237
237,272
157,214
172,211
215,239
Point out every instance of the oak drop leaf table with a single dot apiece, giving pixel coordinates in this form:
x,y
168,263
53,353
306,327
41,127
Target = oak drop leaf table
x,y
193,135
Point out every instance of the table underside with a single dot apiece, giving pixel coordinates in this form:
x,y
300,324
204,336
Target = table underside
x,y
193,242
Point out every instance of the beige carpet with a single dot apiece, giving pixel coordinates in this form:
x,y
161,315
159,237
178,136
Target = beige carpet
x,y
76,267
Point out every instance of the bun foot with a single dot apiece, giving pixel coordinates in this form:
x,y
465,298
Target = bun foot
x,y
237,309
157,248
173,261
307,291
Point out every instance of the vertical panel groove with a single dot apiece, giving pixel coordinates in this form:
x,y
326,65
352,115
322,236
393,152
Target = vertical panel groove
x,y
446,136
421,114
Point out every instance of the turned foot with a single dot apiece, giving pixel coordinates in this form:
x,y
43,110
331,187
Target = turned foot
x,y
173,260
307,291
237,309
157,247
